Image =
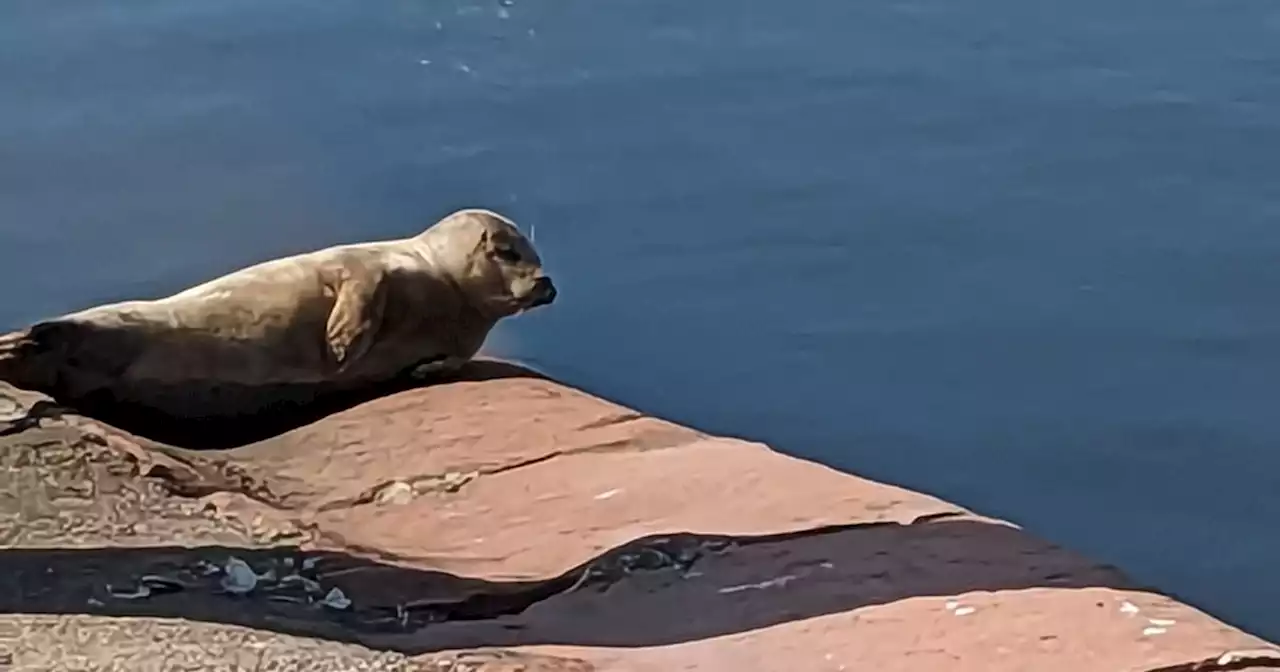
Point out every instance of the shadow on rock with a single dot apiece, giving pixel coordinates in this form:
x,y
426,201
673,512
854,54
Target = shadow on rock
x,y
285,407
653,591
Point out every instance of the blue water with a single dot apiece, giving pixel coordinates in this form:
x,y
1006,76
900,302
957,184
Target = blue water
x,y
1022,255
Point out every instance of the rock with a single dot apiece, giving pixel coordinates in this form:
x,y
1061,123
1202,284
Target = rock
x,y
502,522
238,578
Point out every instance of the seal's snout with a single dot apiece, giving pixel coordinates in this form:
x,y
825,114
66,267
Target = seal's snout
x,y
543,294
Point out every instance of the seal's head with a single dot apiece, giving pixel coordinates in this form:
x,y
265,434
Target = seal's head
x,y
493,264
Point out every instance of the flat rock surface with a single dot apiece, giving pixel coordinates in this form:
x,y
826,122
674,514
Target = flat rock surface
x,y
500,521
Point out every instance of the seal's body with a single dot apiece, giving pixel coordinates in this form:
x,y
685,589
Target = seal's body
x,y
283,330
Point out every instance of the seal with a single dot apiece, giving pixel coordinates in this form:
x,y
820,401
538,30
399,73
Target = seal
x,y
288,330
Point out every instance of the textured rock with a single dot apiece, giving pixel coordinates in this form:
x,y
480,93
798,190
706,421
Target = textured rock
x,y
503,522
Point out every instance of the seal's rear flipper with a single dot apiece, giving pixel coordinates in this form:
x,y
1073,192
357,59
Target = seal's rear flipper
x,y
22,359
60,357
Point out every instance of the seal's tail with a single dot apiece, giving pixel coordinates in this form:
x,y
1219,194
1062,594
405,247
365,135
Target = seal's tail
x,y
15,344
28,357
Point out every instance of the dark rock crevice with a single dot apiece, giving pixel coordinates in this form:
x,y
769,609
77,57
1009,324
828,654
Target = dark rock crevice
x,y
766,580
1229,661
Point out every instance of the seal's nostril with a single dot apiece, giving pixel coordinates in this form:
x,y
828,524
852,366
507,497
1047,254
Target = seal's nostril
x,y
544,291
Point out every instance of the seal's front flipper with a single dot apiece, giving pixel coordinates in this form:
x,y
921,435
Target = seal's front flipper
x,y
356,314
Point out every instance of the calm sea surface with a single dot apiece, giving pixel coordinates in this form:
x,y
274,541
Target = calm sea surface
x,y
1024,255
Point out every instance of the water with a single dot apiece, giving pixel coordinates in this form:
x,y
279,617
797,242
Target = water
x,y
1018,254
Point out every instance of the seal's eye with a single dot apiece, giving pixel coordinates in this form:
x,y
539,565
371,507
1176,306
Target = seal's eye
x,y
506,254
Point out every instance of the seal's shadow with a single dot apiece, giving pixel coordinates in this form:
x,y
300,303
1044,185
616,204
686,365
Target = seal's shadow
x,y
294,406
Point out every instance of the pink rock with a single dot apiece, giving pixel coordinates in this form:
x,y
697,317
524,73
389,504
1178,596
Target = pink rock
x,y
513,523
